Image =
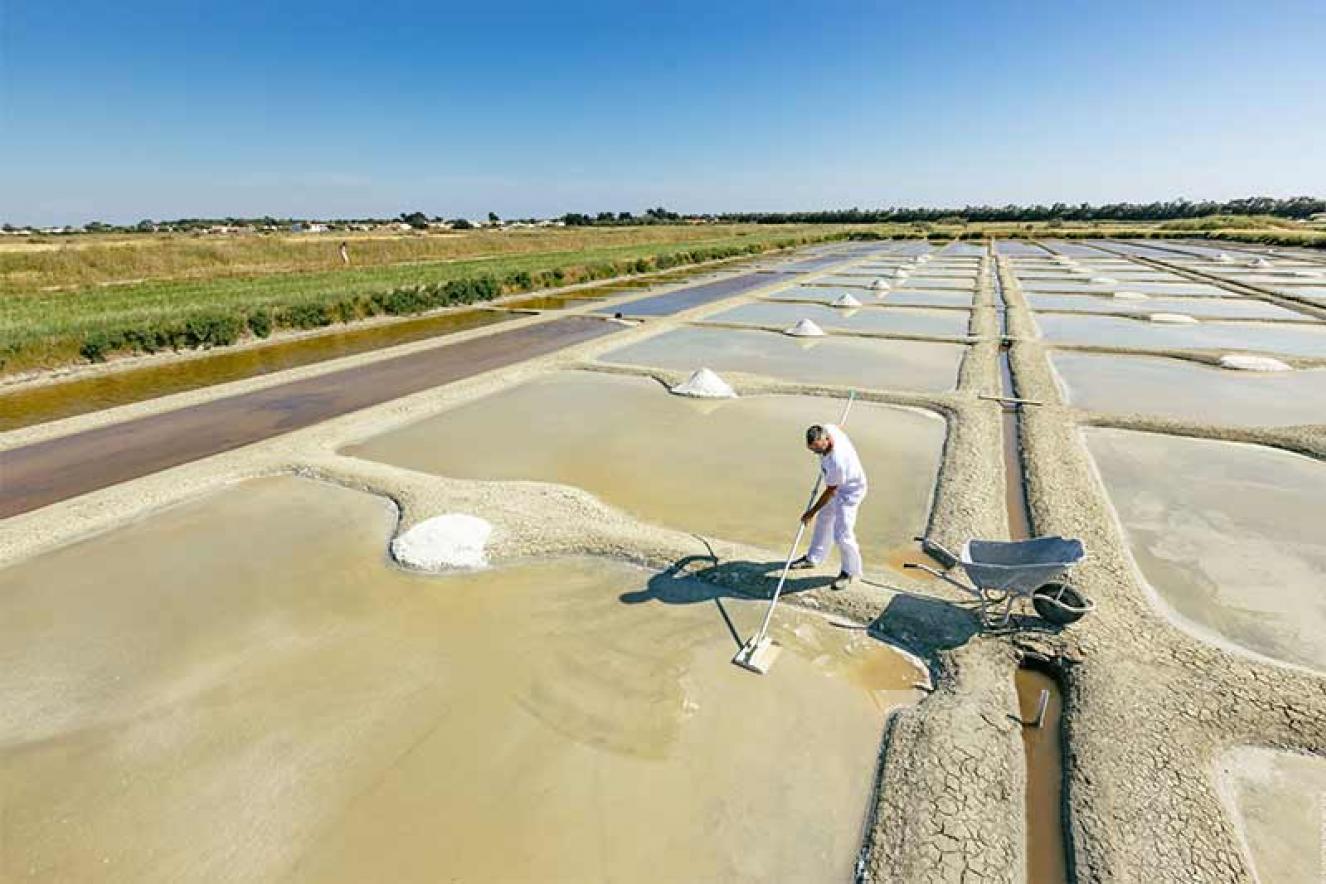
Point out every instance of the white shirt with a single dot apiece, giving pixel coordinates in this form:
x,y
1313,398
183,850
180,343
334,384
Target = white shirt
x,y
842,468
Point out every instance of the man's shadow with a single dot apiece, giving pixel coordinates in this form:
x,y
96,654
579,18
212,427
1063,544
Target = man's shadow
x,y
700,579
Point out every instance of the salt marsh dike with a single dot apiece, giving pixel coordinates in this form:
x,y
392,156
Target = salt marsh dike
x,y
215,669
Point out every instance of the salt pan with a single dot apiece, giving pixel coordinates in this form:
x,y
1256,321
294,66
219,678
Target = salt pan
x,y
452,540
705,384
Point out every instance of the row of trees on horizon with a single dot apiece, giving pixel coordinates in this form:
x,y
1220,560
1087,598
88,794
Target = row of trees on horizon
x,y
1292,208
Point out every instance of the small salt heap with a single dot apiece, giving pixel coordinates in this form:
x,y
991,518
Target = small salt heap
x,y
1243,362
1131,296
846,300
879,284
705,384
1104,280
805,328
902,273
1259,262
1224,258
451,540
1172,318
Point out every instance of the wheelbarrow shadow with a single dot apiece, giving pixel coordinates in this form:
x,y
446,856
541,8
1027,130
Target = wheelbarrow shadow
x,y
926,624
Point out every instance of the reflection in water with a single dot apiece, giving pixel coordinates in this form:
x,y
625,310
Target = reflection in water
x,y
243,688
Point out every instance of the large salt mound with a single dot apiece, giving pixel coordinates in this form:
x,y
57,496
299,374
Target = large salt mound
x,y
705,384
1173,318
805,328
1241,362
878,284
1131,296
846,300
453,540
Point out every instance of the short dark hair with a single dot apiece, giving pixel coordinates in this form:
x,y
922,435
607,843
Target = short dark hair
x,y
815,433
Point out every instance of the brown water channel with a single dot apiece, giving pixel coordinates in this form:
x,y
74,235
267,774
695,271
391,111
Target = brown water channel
x,y
865,364
728,469
1047,861
242,688
1229,536
56,469
48,402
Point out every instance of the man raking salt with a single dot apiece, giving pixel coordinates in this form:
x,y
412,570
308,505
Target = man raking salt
x,y
845,486
846,489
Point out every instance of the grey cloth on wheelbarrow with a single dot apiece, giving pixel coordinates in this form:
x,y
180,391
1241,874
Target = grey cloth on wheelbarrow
x,y
1018,566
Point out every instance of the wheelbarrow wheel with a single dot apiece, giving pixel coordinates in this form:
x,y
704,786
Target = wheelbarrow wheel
x,y
1060,603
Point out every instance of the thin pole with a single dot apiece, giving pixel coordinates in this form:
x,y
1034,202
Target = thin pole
x,y
791,554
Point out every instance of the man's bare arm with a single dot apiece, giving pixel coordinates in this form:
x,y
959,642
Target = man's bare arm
x,y
820,504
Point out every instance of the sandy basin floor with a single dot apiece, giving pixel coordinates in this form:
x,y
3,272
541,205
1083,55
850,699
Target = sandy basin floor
x,y
242,687
1230,535
728,469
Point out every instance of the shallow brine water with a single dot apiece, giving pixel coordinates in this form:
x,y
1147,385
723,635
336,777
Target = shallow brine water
x,y
884,365
729,469
945,323
1297,339
1229,535
1186,390
1276,799
242,688
1226,308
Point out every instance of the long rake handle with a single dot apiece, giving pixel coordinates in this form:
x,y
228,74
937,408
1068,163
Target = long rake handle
x,y
801,529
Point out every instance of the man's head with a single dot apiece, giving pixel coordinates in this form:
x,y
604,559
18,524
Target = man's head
x,y
818,439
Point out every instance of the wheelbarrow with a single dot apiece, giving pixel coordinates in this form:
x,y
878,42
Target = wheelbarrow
x,y
1001,572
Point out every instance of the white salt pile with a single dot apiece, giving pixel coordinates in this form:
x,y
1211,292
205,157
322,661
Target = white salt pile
x,y
1104,280
1259,262
705,384
1307,274
1131,296
452,540
846,300
1242,362
804,328
1173,318
879,284
902,273
1224,258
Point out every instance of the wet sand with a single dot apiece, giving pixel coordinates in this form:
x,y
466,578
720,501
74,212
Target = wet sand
x,y
1230,535
243,688
900,365
729,469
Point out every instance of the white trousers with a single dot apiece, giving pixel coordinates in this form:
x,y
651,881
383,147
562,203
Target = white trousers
x,y
836,523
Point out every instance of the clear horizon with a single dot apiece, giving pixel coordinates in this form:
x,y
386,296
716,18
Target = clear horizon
x,y
329,110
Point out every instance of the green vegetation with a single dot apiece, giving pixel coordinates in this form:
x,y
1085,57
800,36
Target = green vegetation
x,y
46,329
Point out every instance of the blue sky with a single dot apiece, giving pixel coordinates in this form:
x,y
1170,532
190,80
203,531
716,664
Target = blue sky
x,y
120,111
